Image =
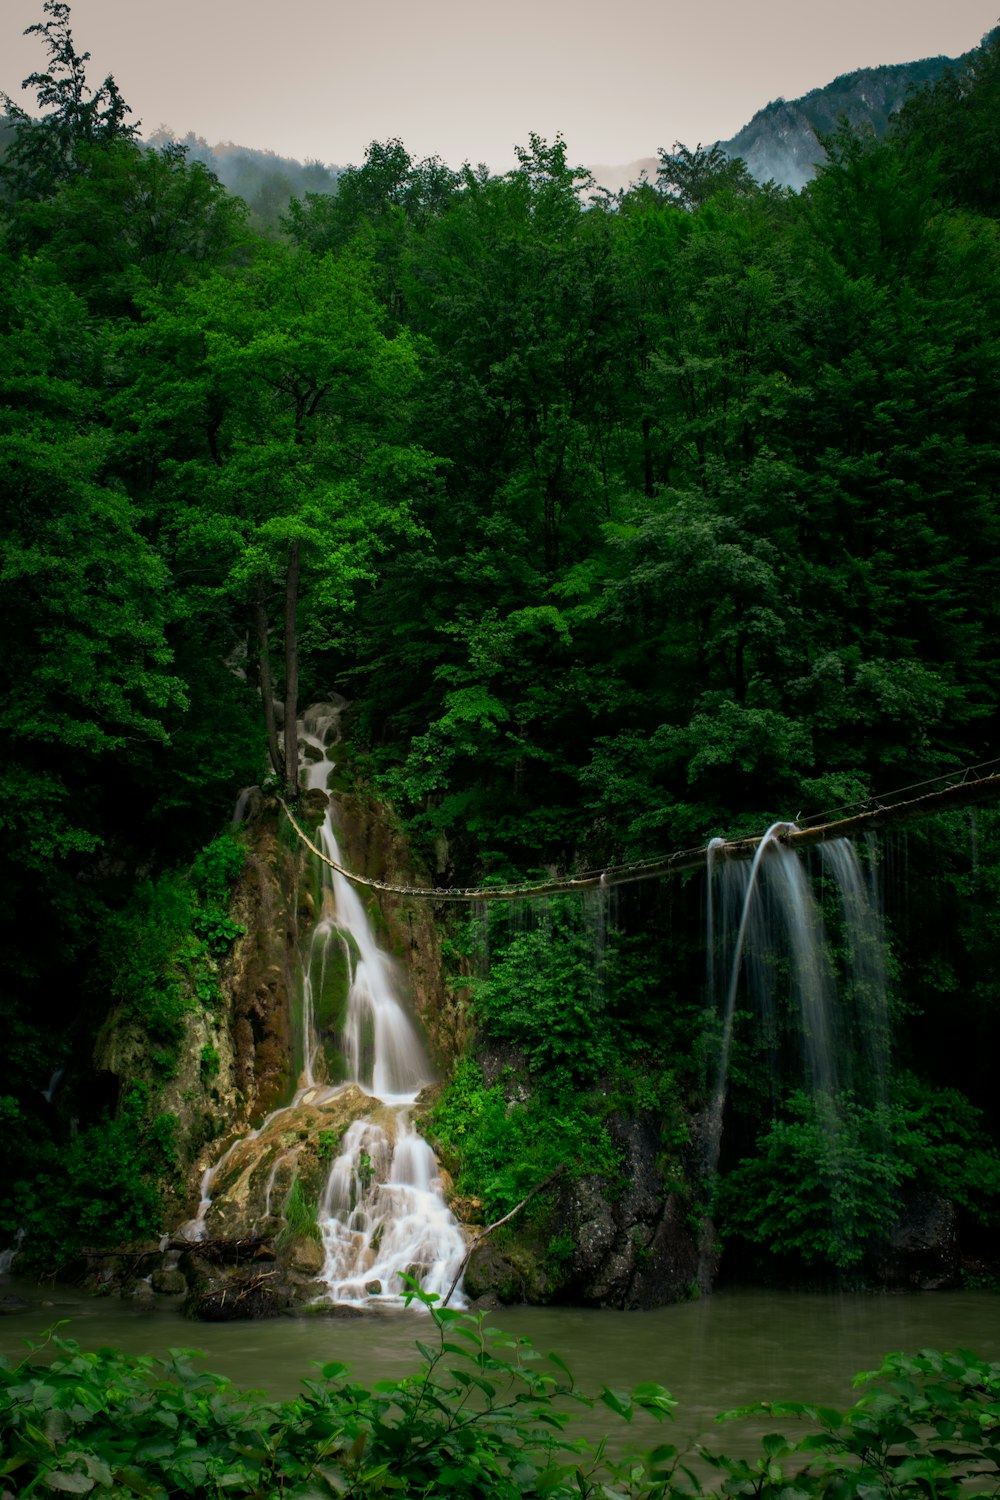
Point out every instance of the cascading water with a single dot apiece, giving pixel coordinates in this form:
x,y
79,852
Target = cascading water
x,y
767,934
8,1256
381,1213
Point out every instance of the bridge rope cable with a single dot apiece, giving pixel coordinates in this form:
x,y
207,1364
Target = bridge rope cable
x,y
976,783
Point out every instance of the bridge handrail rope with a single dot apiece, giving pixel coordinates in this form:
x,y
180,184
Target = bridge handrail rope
x,y
969,790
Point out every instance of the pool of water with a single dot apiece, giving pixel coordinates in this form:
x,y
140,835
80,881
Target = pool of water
x,y
724,1351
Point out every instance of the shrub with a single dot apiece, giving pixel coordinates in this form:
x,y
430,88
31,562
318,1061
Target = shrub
x,y
301,1221
484,1418
830,1177
109,1425
503,1150
102,1188
544,993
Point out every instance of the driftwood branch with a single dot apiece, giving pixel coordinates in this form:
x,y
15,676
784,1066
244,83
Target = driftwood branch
x,y
496,1225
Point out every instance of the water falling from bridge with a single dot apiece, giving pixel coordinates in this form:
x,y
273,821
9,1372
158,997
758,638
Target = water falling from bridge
x,y
801,953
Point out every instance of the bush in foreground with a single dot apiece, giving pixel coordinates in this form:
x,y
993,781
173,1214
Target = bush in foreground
x,y
485,1418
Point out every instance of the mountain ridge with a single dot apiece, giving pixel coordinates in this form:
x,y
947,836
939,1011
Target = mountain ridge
x,y
781,142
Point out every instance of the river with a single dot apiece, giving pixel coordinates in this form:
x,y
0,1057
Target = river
x,y
723,1351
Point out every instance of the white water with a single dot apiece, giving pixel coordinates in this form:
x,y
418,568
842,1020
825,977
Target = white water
x,y
773,930
382,1213
383,1216
750,907
8,1256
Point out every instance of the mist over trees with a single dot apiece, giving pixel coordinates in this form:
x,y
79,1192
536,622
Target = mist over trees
x,y
624,521
266,181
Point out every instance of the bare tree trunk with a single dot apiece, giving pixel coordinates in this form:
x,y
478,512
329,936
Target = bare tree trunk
x,y
647,459
291,676
266,685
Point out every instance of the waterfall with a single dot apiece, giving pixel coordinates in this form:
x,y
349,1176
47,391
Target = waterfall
x,y
766,931
8,1256
864,1015
381,1213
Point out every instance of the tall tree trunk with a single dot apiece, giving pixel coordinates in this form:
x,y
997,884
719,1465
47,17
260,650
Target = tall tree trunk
x,y
266,685
291,675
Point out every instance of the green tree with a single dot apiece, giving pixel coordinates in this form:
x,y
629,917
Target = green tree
x,y
48,151
270,409
134,220
947,130
688,179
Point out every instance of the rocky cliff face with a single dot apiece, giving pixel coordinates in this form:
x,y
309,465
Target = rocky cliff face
x,y
782,141
622,1243
627,1243
232,1063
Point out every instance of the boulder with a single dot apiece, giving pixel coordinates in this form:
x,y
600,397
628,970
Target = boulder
x,y
921,1251
240,1294
253,1178
623,1243
169,1282
307,1255
11,1303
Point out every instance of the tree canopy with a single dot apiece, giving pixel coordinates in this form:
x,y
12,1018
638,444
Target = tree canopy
x,y
623,522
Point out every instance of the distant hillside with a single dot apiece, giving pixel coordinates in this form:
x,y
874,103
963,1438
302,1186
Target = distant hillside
x,y
780,142
263,179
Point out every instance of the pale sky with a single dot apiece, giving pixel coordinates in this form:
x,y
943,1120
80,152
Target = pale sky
x,y
322,78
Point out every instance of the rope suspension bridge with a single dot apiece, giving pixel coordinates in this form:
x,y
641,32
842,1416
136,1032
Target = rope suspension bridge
x,y
976,784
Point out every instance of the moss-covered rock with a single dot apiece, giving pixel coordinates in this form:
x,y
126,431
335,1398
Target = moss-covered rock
x,y
254,1178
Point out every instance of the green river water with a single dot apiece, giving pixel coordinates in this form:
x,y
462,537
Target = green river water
x,y
724,1351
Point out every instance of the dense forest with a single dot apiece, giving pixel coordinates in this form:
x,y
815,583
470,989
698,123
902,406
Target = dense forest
x,y
621,521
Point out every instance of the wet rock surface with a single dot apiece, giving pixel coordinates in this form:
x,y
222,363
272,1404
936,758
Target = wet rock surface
x,y
633,1245
11,1303
253,1182
624,1243
372,840
234,1279
922,1250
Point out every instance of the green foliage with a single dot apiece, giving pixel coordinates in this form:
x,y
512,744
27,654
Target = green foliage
x,y
47,150
939,1140
160,951
328,1144
300,1215
484,1418
575,1000
209,1061
544,993
217,867
141,968
101,1189
820,1187
504,1150
623,525
829,1178
945,129
929,1426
